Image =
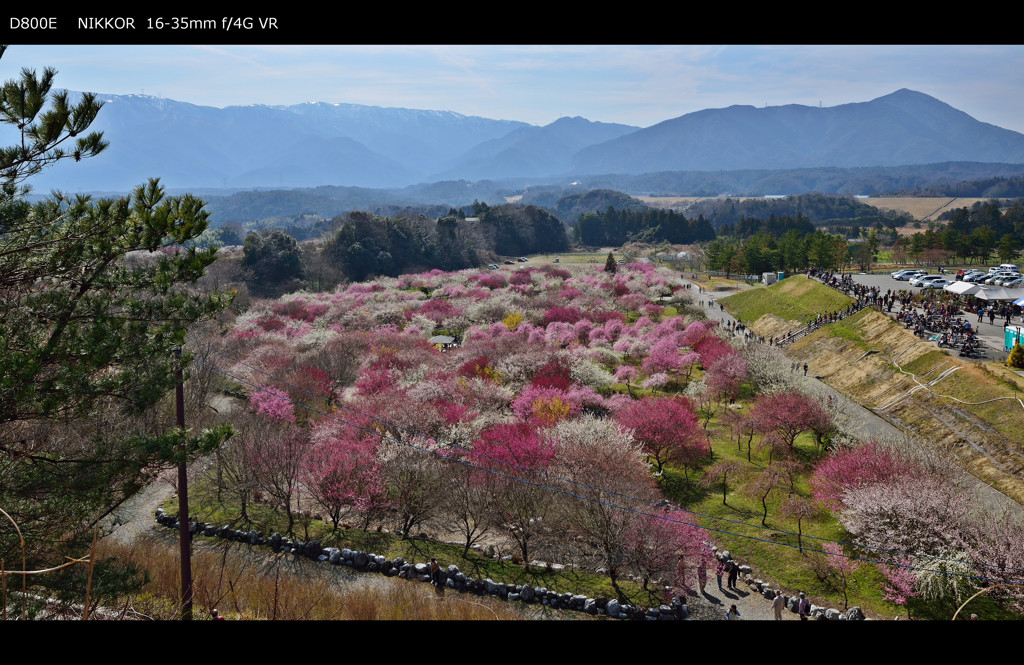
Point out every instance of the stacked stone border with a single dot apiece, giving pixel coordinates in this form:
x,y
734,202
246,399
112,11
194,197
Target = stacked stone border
x,y
453,578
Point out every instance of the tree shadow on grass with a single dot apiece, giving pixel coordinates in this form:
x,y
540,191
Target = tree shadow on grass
x,y
808,454
680,489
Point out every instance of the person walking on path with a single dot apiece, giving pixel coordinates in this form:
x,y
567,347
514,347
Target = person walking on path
x,y
805,369
702,575
733,613
734,571
803,608
719,572
435,576
778,604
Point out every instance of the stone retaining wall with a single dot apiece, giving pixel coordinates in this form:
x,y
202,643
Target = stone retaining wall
x,y
452,578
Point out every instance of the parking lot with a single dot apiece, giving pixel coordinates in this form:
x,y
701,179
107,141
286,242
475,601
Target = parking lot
x,y
991,334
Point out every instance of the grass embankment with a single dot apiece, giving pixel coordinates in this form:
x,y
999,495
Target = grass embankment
x,y
970,414
985,438
794,300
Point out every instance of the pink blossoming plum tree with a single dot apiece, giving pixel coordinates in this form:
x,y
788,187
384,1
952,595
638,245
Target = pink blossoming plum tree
x,y
901,583
842,568
852,468
785,415
667,429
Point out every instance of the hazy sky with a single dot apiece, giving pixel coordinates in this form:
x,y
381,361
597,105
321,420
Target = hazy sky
x,y
636,85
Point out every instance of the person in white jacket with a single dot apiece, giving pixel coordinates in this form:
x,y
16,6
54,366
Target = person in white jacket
x,y
778,604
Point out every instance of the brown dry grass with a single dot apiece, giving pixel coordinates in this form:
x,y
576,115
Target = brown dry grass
x,y
923,208
279,587
677,202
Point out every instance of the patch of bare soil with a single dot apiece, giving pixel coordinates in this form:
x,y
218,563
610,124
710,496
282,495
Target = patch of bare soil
x,y
770,325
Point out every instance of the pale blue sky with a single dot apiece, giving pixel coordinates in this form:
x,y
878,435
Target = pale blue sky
x,y
636,85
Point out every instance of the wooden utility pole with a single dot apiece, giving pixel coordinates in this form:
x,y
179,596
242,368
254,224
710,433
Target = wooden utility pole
x,y
184,536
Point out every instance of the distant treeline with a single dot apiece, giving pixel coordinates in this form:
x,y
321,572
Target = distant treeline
x,y
617,227
366,245
792,252
986,214
818,209
993,180
569,207
989,188
773,226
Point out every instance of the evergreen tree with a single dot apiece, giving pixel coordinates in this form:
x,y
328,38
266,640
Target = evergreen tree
x,y
1007,248
1016,357
609,265
276,261
45,133
88,333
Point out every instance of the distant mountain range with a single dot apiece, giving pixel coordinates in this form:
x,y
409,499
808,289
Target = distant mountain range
x,y
349,145
905,127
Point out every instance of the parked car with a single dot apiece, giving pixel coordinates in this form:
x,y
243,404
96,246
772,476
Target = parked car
x,y
493,266
522,259
940,283
992,279
921,279
904,275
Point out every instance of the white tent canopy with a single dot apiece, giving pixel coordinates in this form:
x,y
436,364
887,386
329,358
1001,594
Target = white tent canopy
x,y
991,294
962,288
999,294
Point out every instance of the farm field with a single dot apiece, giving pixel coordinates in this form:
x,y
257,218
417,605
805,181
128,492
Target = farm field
x,y
921,208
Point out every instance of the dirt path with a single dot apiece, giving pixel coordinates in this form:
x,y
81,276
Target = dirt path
x,y
136,516
714,603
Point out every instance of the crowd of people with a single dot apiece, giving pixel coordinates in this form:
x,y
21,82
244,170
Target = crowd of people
x,y
934,315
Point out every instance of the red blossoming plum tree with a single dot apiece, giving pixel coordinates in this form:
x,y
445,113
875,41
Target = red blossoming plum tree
x,y
667,429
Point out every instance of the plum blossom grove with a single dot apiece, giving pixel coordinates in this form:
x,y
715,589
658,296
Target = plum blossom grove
x,y
563,378
527,392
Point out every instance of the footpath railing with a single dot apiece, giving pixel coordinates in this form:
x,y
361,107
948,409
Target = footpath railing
x,y
816,324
